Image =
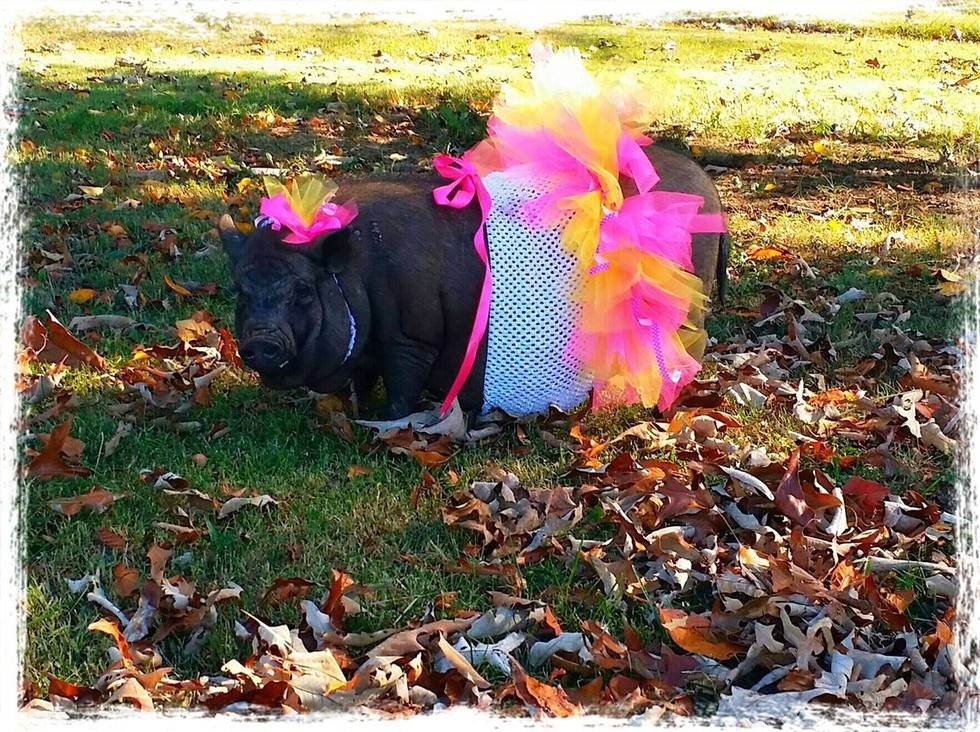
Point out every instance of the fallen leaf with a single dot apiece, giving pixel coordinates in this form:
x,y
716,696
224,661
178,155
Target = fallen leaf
x,y
190,330
111,628
429,458
407,642
52,343
123,429
869,494
82,295
285,588
125,580
81,695
182,534
97,499
132,691
767,252
233,504
111,539
88,322
691,632
49,462
789,497
158,556
551,699
952,289
457,661
179,289
355,470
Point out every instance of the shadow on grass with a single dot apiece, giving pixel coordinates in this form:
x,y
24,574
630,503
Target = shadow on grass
x,y
865,168
259,120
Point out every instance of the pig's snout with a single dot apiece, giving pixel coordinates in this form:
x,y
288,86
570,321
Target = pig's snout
x,y
265,352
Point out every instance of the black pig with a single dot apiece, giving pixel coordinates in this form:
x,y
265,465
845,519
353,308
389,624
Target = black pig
x,y
394,294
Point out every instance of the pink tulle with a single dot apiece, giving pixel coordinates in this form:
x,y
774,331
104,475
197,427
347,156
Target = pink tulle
x,y
634,251
329,217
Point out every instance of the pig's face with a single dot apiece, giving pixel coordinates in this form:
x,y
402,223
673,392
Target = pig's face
x,y
292,319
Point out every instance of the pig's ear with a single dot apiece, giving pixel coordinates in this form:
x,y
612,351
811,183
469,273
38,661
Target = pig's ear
x,y
334,250
233,240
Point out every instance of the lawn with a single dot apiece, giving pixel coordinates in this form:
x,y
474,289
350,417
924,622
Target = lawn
x,y
841,157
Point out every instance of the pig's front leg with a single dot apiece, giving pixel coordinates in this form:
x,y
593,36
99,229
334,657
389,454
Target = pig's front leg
x,y
406,370
366,376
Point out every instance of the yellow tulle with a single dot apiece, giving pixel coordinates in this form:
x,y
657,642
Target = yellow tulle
x,y
585,117
305,194
639,308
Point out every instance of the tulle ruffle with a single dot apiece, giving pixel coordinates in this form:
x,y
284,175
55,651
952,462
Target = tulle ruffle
x,y
639,299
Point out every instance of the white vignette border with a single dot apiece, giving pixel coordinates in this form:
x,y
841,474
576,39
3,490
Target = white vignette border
x,y
13,600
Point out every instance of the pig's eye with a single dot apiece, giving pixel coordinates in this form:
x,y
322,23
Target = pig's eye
x,y
304,293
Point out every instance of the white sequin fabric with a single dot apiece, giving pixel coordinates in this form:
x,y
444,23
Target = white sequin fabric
x,y
532,313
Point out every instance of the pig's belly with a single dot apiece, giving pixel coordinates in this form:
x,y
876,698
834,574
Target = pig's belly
x,y
532,313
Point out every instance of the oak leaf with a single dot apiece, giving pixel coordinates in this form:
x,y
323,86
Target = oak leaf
x,y
49,462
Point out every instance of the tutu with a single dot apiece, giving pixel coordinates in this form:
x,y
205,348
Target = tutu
x,y
586,288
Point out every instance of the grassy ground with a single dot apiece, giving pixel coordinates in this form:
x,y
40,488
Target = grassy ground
x,y
829,142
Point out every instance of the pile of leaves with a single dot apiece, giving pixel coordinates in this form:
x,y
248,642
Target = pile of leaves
x,y
773,575
800,575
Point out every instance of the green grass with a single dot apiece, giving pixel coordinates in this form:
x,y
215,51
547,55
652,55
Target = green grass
x,y
891,131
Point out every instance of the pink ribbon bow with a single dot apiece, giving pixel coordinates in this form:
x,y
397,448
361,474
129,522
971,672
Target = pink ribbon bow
x,y
458,193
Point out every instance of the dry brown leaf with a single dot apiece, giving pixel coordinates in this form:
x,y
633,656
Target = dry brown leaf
x,y
81,695
867,493
88,322
179,289
551,699
333,603
123,429
691,633
49,464
132,691
407,642
767,252
52,343
181,534
82,295
457,661
112,539
125,580
789,497
191,330
151,680
97,499
71,447
355,470
429,458
110,628
158,556
285,588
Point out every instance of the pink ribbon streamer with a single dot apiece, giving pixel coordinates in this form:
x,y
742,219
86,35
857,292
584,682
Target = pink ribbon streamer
x,y
466,184
634,162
